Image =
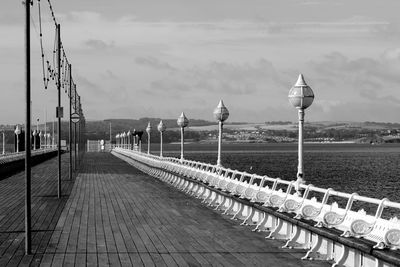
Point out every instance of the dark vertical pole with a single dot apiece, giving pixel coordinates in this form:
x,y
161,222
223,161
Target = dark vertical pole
x,y
28,130
79,140
59,107
75,144
75,133
70,122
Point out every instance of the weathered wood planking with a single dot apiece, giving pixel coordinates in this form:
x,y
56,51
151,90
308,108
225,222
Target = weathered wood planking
x,y
118,216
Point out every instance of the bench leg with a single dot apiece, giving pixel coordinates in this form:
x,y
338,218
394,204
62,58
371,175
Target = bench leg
x,y
296,240
229,210
317,253
282,230
188,189
262,224
343,257
206,194
249,218
198,191
225,203
238,214
210,197
214,201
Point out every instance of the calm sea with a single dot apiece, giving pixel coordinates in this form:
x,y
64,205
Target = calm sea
x,y
369,170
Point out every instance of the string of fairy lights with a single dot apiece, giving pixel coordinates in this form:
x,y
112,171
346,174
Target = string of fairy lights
x,y
49,60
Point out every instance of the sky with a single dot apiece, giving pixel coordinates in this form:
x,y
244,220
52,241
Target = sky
x,y
157,58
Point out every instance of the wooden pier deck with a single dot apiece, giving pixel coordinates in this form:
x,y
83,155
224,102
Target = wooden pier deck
x,y
114,215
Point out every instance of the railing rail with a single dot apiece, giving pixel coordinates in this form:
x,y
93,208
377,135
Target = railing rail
x,y
247,197
9,157
193,164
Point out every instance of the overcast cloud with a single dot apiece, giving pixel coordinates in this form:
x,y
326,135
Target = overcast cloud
x,y
135,59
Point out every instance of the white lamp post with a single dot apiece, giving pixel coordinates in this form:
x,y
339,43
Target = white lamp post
x,y
139,137
37,129
134,139
4,143
182,122
17,132
40,139
124,140
221,113
161,128
45,140
116,140
34,139
301,97
148,131
48,139
128,136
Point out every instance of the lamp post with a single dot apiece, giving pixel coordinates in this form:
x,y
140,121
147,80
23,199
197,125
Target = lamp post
x,y
134,133
116,140
45,140
221,113
128,136
161,128
52,137
182,122
40,139
301,97
148,131
123,140
139,135
17,132
37,133
48,139
34,139
4,143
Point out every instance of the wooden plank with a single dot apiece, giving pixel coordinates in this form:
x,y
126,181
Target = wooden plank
x,y
114,214
91,259
46,260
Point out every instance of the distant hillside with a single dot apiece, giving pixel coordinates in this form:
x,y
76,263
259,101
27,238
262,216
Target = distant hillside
x,y
121,125
360,132
101,129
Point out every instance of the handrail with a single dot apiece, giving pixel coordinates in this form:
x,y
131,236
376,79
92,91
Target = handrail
x,y
20,155
270,206
241,174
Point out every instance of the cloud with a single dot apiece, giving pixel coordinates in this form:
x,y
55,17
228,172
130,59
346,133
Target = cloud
x,y
215,77
109,75
168,87
238,78
387,31
98,44
392,55
372,95
154,63
89,89
353,86
249,55
359,71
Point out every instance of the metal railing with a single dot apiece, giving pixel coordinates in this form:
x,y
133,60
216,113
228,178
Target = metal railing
x,y
281,196
10,157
